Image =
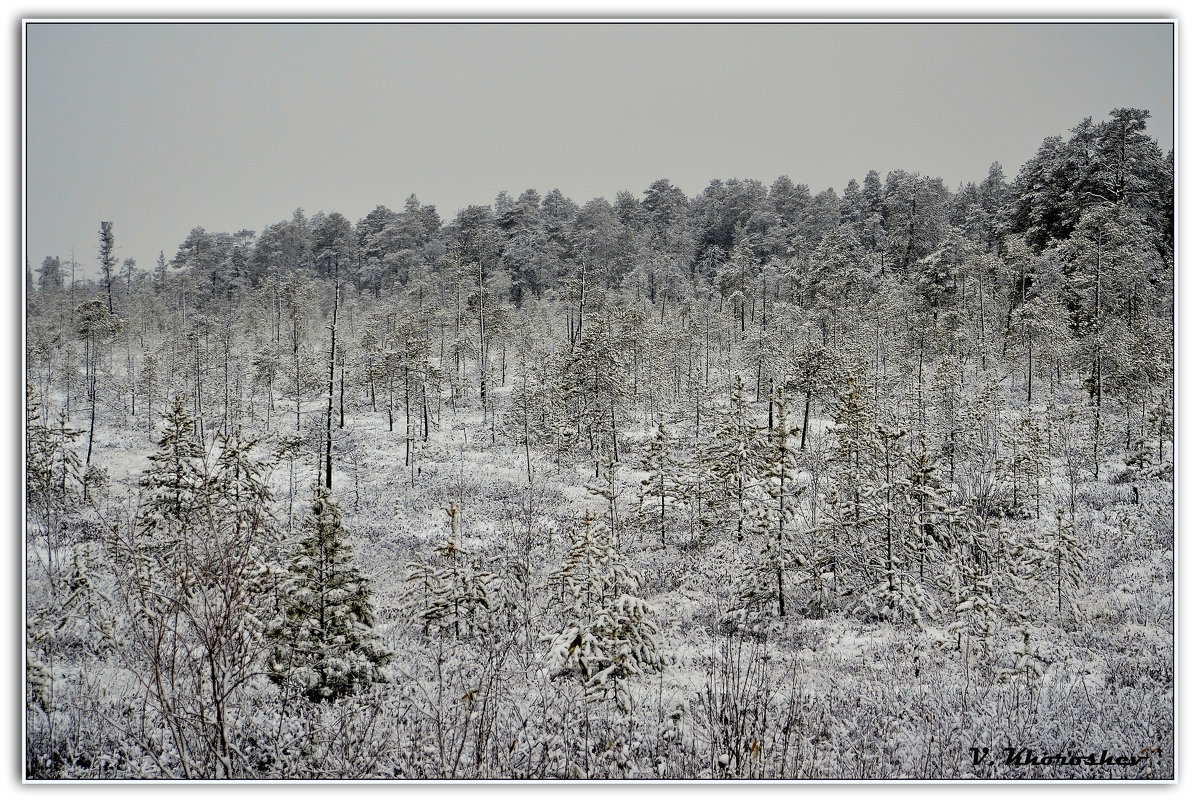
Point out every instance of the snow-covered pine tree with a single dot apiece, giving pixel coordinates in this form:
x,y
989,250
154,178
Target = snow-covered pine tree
x,y
607,485
846,546
193,586
97,327
147,384
76,618
594,383
1027,666
973,604
814,367
1145,458
69,611
898,492
664,467
932,519
173,489
1162,428
561,432
731,456
607,633
1013,558
1074,433
524,413
450,593
1023,466
1057,564
820,560
772,513
947,386
881,514
694,477
813,552
323,645
53,476
979,442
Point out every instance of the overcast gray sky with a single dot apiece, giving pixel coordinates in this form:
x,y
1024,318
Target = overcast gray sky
x,y
161,128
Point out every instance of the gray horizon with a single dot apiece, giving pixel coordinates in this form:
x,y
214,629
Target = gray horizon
x,y
165,127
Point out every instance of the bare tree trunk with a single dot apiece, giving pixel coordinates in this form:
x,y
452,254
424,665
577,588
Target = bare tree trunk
x,y
297,382
483,354
90,436
1030,369
425,414
526,425
409,435
331,375
806,418
583,288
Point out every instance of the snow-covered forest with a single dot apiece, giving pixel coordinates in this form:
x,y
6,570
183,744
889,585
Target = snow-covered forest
x,y
754,483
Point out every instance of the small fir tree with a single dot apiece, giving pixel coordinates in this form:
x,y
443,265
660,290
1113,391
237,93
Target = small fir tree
x,y
607,635
323,643
1057,562
1023,466
193,587
772,513
450,593
973,605
731,456
662,482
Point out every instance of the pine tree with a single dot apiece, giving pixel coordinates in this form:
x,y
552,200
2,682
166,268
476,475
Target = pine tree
x,y
1074,431
813,366
731,456
49,277
1162,429
973,604
664,468
695,479
72,613
53,474
1013,557
594,381
173,488
848,516
1023,467
978,444
884,514
451,592
194,584
323,643
1057,563
527,401
899,496
96,327
107,260
1026,665
607,485
147,384
607,635
772,515
933,521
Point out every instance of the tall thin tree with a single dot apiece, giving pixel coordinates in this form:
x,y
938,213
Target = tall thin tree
x,y
331,373
107,258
